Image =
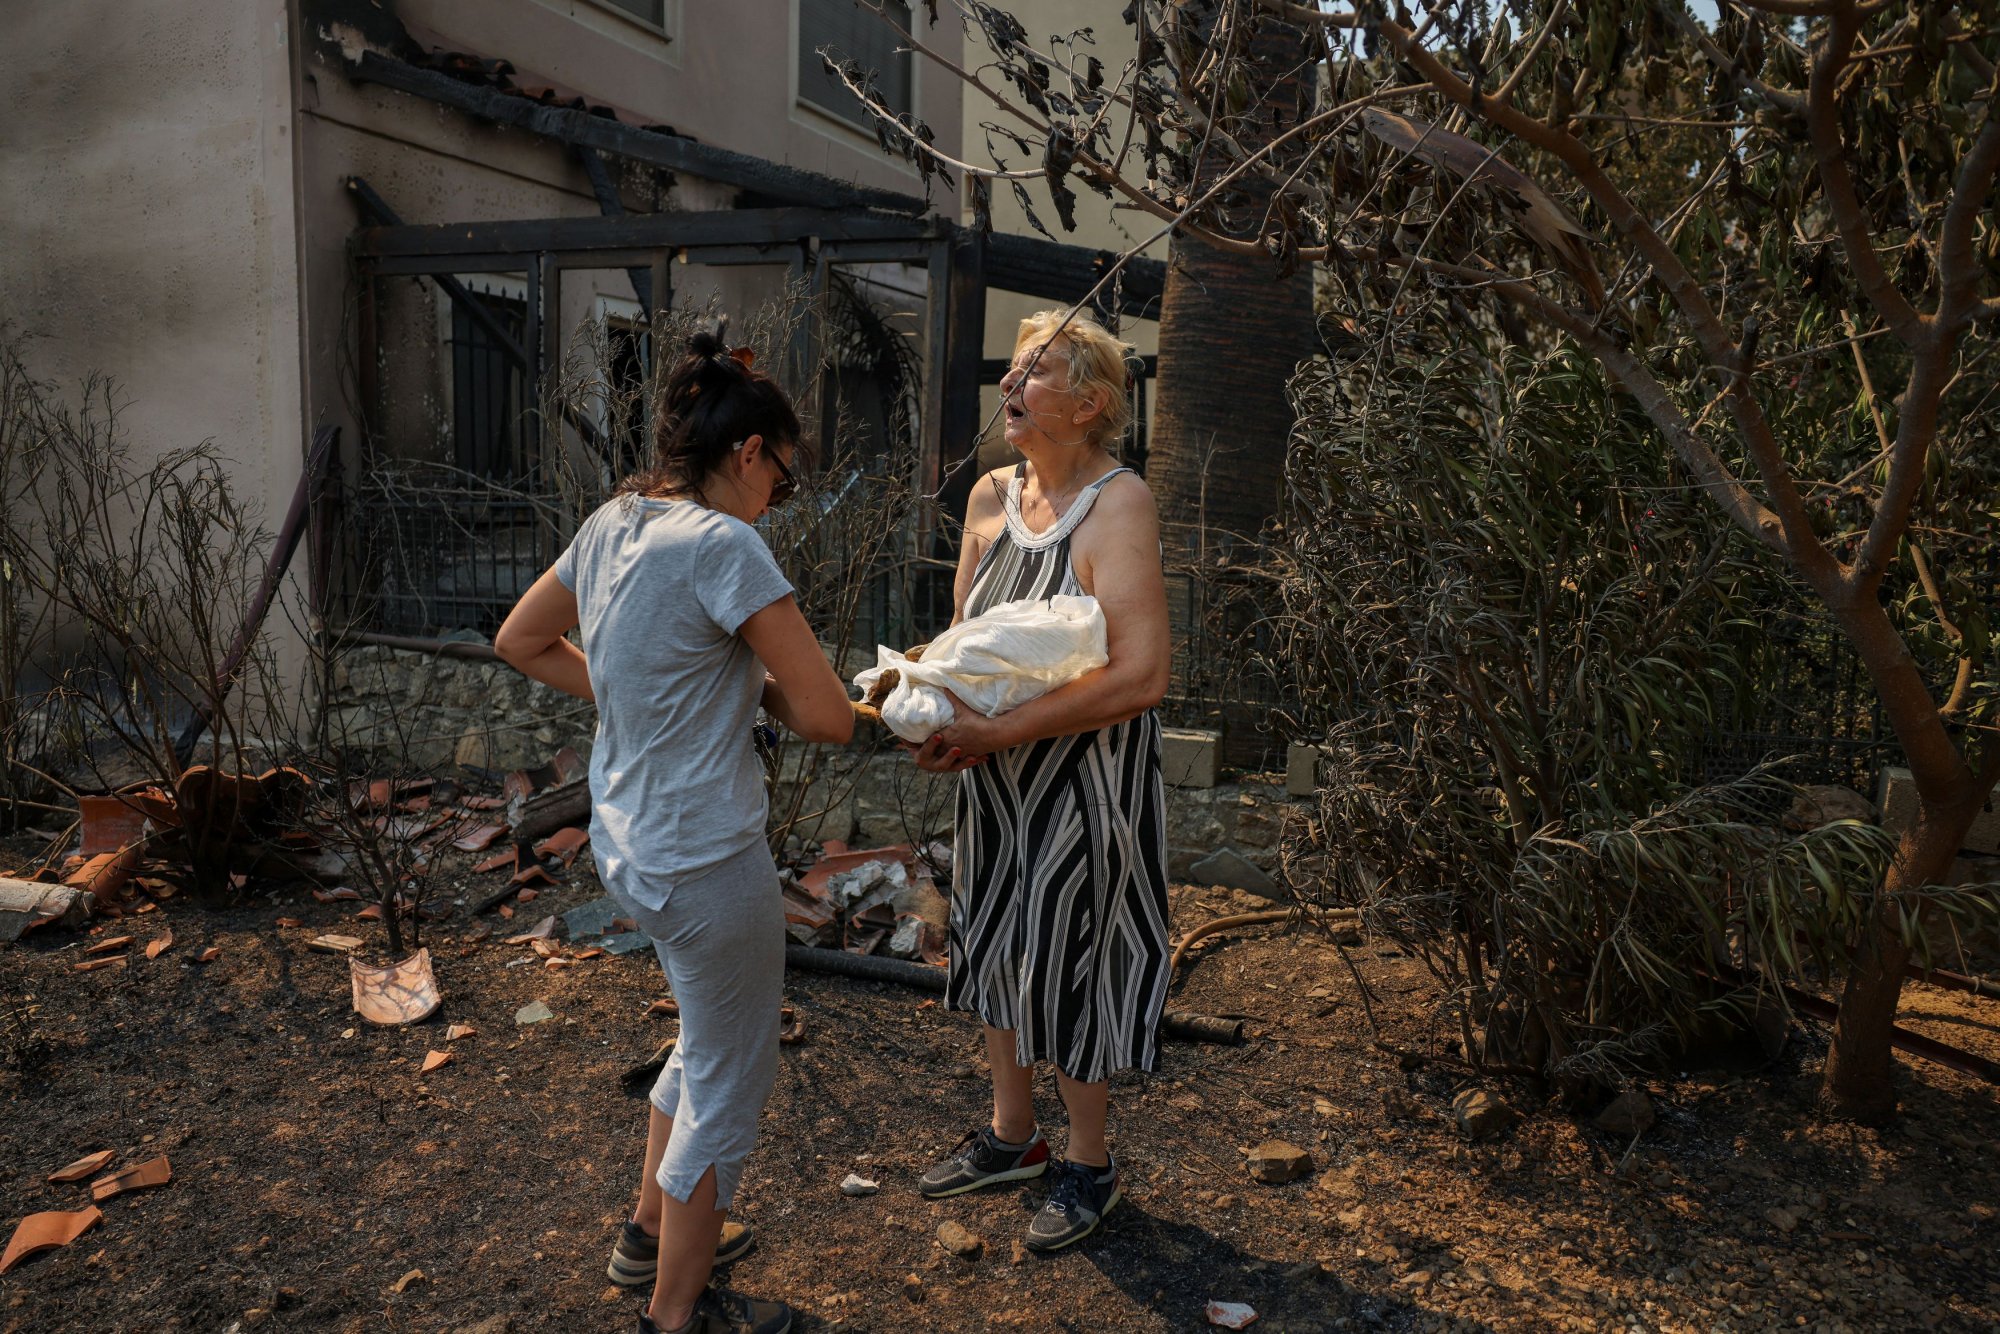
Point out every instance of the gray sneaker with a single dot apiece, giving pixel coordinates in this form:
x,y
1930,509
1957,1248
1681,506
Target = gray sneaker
x,y
635,1257
981,1160
721,1311
1077,1203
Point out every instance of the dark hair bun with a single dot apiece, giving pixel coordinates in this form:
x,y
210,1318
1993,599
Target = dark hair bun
x,y
705,344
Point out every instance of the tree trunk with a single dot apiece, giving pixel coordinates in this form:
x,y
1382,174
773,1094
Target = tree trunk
x,y
1859,1082
1231,332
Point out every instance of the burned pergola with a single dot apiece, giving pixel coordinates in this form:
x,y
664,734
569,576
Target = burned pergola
x,y
961,263
802,220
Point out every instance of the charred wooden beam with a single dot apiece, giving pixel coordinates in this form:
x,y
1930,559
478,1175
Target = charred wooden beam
x,y
376,209
611,206
674,152
774,227
965,341
1066,273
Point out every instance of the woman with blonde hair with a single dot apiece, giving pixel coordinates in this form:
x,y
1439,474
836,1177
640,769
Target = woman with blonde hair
x,y
1059,895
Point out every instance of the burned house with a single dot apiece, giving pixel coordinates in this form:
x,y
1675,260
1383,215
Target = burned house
x,y
380,225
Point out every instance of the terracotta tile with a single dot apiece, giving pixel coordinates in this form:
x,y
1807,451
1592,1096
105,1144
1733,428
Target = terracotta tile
x,y
372,913
92,965
564,843
542,930
558,962
480,839
139,1176
495,862
108,824
434,1059
335,944
527,896
209,955
84,1166
105,874
533,875
109,944
457,1031
288,922
484,803
592,953
41,1232
159,945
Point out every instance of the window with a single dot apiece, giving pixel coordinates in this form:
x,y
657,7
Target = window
x,y
652,13
852,33
489,395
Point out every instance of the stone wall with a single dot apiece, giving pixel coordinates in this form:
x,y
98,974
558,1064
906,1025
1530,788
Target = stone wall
x,y
421,711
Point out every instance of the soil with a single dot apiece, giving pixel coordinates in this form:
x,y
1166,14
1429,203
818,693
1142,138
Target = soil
x,y
314,1167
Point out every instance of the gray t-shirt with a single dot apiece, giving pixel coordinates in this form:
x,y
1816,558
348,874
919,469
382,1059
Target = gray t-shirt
x,y
661,587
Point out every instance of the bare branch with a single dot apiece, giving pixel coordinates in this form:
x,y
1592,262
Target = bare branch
x,y
1783,98
1849,219
1505,92
1959,271
1317,17
1916,428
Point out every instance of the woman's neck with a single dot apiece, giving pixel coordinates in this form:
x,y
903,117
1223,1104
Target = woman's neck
x,y
719,493
1059,470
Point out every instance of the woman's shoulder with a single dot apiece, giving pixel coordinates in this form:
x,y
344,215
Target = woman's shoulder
x,y
986,502
1126,493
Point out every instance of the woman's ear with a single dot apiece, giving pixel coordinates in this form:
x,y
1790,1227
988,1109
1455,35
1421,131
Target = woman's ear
x,y
1090,406
752,450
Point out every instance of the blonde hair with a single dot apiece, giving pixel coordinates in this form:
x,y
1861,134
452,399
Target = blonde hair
x,y
1096,360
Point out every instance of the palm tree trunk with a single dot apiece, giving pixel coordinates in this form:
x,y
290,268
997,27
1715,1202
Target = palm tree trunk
x,y
1232,329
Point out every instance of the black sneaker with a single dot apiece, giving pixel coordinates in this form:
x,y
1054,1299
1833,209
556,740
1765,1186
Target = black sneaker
x,y
1077,1203
720,1311
635,1258
979,1160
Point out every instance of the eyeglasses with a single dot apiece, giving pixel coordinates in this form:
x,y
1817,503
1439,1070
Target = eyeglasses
x,y
787,484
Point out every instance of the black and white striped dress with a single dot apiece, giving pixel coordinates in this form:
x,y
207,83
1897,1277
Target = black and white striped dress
x,y
1059,885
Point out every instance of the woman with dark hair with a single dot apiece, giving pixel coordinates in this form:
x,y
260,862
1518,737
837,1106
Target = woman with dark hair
x,y
689,628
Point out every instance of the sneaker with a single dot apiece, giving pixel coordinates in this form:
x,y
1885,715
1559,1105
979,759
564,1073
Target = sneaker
x,y
980,1160
1077,1203
720,1311
635,1259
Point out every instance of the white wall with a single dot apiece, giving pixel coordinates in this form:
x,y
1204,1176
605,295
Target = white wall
x,y
146,222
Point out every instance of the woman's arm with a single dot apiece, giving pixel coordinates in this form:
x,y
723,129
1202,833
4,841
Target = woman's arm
x,y
983,519
982,523
801,689
1117,555
531,639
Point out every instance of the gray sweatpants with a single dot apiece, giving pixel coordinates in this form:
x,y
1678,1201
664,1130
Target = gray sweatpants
x,y
721,940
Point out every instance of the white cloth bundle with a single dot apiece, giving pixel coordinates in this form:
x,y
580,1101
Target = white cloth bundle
x,y
994,662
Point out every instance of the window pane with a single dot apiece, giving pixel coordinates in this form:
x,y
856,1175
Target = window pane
x,y
646,11
852,34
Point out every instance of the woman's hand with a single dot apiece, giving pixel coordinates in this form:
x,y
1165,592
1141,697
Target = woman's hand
x,y
970,738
